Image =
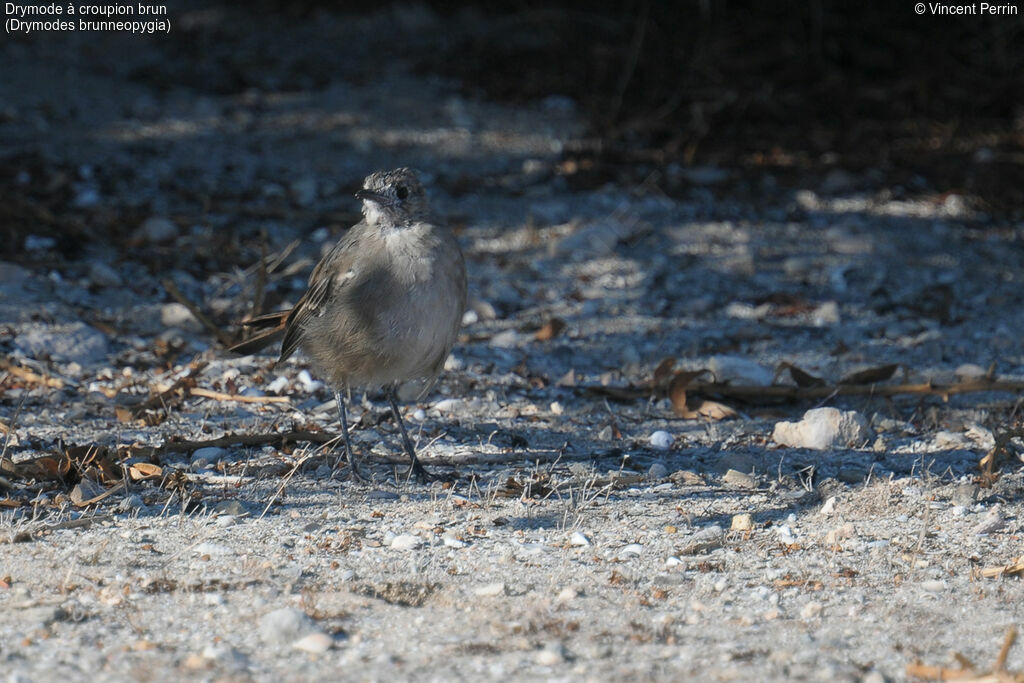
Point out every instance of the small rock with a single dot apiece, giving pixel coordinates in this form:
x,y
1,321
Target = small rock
x,y
314,643
230,508
556,408
742,522
657,471
969,371
824,428
661,440
706,539
102,275
448,405
933,586
156,229
566,595
993,521
851,475
829,506
73,342
811,610
552,655
226,657
826,314
490,590
204,457
286,625
578,539
631,550
211,548
405,542
178,316
785,534
738,370
132,503
739,479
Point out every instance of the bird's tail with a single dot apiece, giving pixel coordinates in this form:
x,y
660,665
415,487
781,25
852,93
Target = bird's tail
x,y
259,341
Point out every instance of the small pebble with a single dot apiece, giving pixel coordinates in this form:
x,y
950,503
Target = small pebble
x,y
661,440
633,549
156,229
657,471
933,586
314,643
811,610
739,479
579,539
829,506
285,625
405,542
490,590
742,522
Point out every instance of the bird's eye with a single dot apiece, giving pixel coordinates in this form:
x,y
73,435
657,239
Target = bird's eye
x,y
402,192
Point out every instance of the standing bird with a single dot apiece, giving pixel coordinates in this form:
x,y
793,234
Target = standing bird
x,y
383,307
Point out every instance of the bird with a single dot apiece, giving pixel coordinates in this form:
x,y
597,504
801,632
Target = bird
x,y
383,307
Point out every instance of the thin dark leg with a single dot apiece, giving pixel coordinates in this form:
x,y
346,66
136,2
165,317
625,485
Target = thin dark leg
x,y
353,471
416,469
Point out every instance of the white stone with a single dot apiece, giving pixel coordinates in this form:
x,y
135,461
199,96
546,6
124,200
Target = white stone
x,y
406,542
661,440
314,643
490,590
579,539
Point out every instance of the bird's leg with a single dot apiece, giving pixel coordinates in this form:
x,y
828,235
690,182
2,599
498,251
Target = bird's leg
x,y
416,469
353,471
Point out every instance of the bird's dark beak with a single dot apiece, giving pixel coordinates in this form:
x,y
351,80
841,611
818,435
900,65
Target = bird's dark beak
x,y
370,195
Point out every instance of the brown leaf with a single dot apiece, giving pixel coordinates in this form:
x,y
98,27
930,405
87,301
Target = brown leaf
x,y
691,407
124,414
550,329
144,470
871,375
713,410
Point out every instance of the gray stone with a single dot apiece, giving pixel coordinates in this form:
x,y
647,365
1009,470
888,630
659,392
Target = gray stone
x,y
824,428
102,275
285,626
156,229
72,342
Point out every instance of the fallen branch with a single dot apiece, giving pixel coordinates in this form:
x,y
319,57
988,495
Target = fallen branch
x,y
752,393
220,396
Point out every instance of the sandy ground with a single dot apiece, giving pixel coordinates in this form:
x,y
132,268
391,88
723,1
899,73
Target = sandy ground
x,y
567,540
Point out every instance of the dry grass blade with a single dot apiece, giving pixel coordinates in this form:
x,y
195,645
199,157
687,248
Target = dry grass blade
x,y
967,672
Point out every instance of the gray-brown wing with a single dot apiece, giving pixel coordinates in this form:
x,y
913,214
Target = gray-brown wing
x,y
333,271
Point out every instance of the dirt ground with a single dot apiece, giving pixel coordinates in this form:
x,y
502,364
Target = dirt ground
x,y
581,529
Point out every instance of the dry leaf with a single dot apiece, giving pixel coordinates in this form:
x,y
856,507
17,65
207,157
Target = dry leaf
x,y
691,408
871,375
141,471
550,330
